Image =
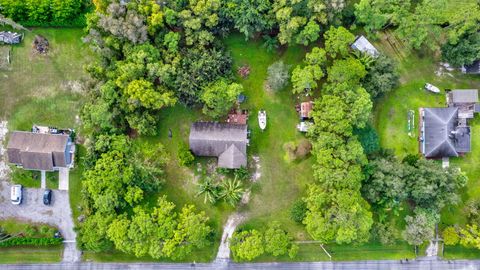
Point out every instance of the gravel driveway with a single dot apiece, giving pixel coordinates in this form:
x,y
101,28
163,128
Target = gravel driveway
x,y
32,209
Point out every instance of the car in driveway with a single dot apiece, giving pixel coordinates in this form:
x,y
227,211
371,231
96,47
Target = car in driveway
x,y
47,196
16,194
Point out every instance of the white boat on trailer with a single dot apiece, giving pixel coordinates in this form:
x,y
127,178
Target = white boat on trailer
x,y
432,88
262,119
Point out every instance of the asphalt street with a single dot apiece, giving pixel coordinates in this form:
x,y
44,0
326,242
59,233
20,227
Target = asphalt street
x,y
354,265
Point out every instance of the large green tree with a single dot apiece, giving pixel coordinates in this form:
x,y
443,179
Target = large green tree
x,y
337,41
219,97
247,245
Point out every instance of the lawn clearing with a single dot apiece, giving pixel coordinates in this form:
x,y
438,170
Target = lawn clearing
x,y
44,89
281,182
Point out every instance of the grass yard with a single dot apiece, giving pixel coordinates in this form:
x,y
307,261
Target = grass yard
x,y
281,182
390,119
31,255
40,89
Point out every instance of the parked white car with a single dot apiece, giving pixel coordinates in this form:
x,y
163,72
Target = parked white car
x,y
431,88
16,194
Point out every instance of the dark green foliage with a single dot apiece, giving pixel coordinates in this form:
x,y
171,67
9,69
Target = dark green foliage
x,y
198,68
185,157
433,187
385,185
242,173
249,16
28,241
298,211
381,78
465,52
385,233
411,159
368,137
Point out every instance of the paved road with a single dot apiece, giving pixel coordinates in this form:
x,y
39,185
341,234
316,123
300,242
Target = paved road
x,y
358,265
32,209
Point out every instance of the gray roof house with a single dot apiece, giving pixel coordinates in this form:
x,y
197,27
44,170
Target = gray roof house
x,y
362,44
37,151
228,142
443,133
8,37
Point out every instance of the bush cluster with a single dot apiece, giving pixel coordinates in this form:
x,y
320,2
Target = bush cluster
x,y
29,241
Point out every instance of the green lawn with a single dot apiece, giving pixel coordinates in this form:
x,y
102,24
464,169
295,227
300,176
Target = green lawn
x,y
31,255
44,89
390,119
281,182
75,183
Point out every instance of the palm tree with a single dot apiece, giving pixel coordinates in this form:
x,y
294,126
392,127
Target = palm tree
x,y
231,191
209,189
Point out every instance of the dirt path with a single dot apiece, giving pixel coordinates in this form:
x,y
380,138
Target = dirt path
x,y
224,250
236,218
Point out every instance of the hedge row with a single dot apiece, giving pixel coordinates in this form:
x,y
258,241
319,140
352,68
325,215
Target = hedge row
x,y
46,13
29,241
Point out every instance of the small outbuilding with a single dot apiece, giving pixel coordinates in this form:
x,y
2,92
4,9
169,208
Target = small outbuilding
x,y
306,110
362,44
466,100
226,141
7,37
473,68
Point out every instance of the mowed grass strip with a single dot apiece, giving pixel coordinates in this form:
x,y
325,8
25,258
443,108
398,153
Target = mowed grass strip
x,y
18,255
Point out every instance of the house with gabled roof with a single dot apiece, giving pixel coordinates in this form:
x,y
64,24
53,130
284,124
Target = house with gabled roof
x,y
226,141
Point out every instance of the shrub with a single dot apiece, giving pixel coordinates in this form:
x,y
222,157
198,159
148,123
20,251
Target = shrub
x,y
242,173
450,236
297,151
298,211
385,233
368,137
277,75
185,157
30,231
28,241
45,230
303,149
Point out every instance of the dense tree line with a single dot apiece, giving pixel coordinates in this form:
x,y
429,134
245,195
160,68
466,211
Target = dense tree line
x,y
46,12
421,183
249,244
452,24
336,210
115,187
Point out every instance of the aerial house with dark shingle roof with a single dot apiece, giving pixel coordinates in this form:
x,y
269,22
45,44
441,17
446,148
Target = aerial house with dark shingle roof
x,y
228,142
443,133
40,152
